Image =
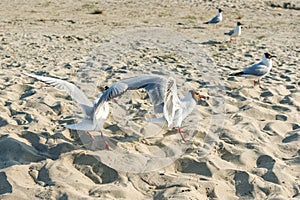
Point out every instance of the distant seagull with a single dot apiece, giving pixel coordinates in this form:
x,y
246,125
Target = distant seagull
x,y
258,70
217,19
163,95
236,32
92,121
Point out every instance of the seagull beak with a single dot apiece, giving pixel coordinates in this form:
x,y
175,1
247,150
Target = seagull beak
x,y
200,102
203,97
273,56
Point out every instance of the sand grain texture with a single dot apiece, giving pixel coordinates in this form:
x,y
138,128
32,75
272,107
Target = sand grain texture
x,y
258,154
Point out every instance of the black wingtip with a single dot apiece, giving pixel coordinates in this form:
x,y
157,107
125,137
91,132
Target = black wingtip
x,y
236,74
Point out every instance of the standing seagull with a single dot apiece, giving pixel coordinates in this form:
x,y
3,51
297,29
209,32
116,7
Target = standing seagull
x,y
258,70
163,95
217,19
92,121
236,32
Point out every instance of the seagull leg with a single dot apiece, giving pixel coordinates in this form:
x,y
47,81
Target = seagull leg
x,y
114,100
90,135
254,83
92,138
259,84
106,143
180,131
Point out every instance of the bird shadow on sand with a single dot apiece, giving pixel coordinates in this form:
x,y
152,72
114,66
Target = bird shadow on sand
x,y
182,26
210,42
198,27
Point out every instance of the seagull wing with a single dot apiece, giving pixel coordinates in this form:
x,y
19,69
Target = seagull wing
x,y
71,89
154,86
214,20
230,32
171,101
84,125
258,69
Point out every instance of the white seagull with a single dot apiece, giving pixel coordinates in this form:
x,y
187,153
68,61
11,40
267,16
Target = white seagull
x,y
175,110
217,19
163,95
92,121
258,70
236,32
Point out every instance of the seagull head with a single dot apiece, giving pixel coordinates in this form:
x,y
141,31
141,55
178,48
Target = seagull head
x,y
220,10
267,59
197,96
269,56
239,23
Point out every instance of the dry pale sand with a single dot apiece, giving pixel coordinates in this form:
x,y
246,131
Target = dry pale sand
x,y
257,155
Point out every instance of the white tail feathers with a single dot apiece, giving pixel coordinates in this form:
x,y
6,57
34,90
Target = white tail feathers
x,y
156,120
84,125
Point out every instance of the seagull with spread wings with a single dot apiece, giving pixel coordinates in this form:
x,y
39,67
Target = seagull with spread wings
x,y
92,121
163,95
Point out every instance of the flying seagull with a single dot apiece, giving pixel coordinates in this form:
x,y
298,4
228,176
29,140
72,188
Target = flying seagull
x,y
163,95
92,121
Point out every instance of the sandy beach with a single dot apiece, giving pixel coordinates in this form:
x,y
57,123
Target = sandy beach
x,y
244,141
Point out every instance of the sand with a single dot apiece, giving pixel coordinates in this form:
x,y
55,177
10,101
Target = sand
x,y
245,140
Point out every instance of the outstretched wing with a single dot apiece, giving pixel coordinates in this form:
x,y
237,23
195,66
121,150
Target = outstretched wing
x,y
113,91
71,89
171,101
154,86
